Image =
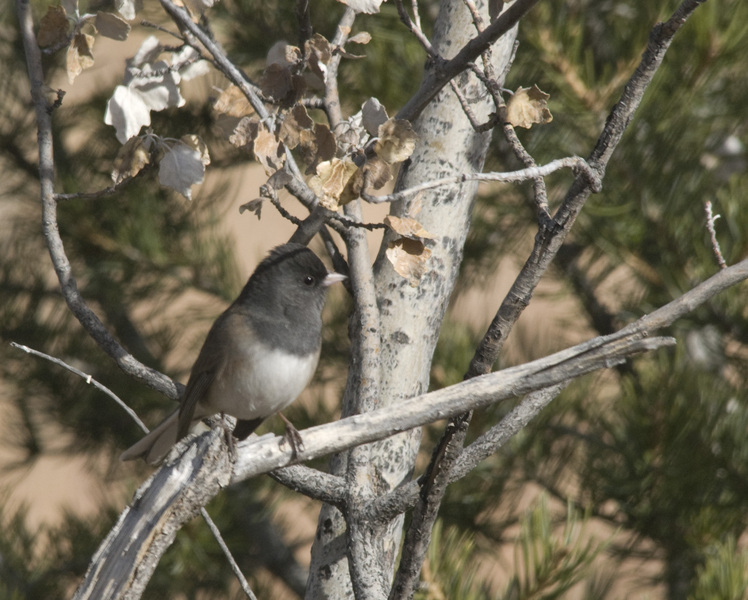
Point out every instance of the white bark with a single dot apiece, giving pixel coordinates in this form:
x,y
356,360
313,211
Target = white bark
x,y
410,317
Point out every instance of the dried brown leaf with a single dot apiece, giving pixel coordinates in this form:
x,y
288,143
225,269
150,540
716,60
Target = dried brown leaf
x,y
233,102
280,84
318,54
53,29
528,106
130,160
317,145
332,183
295,121
196,143
407,227
376,172
409,258
79,55
245,132
112,26
253,205
363,37
268,151
396,142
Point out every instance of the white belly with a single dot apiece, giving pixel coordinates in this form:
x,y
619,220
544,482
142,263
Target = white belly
x,y
259,383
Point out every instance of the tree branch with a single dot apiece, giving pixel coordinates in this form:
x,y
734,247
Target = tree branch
x,y
68,286
437,78
551,235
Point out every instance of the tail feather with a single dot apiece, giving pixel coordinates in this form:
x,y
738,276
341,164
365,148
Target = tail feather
x,y
156,444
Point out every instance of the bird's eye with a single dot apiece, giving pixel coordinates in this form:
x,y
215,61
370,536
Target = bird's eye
x,y
309,281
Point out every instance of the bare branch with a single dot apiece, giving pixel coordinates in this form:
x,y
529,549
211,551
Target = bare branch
x,y
552,234
570,162
88,379
227,553
68,286
437,78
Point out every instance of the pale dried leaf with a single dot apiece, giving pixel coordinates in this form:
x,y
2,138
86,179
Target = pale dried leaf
x,y
268,151
409,258
189,63
363,37
407,227
70,6
111,26
79,55
331,181
397,140
317,145
318,54
363,6
128,8
376,173
528,106
196,143
245,132
148,52
181,168
127,112
373,115
233,102
158,86
131,159
53,29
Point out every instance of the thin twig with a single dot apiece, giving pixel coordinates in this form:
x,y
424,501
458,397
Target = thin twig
x,y
227,553
438,77
552,234
87,378
710,219
68,285
570,162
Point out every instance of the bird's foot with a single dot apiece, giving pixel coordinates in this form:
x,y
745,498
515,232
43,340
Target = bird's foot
x,y
292,437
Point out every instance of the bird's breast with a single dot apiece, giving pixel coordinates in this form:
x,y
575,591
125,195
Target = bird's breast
x,y
258,381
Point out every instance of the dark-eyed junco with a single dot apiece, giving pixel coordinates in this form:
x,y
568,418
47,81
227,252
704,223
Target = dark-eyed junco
x,y
259,354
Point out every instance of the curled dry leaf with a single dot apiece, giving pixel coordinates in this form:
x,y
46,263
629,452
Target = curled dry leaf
x,y
528,106
318,53
181,167
245,132
333,182
253,205
111,26
397,140
373,115
294,122
128,8
407,227
53,29
268,151
363,37
281,84
196,143
233,103
317,145
79,55
131,159
409,258
376,173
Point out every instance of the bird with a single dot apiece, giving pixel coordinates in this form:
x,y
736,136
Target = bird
x,y
259,354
